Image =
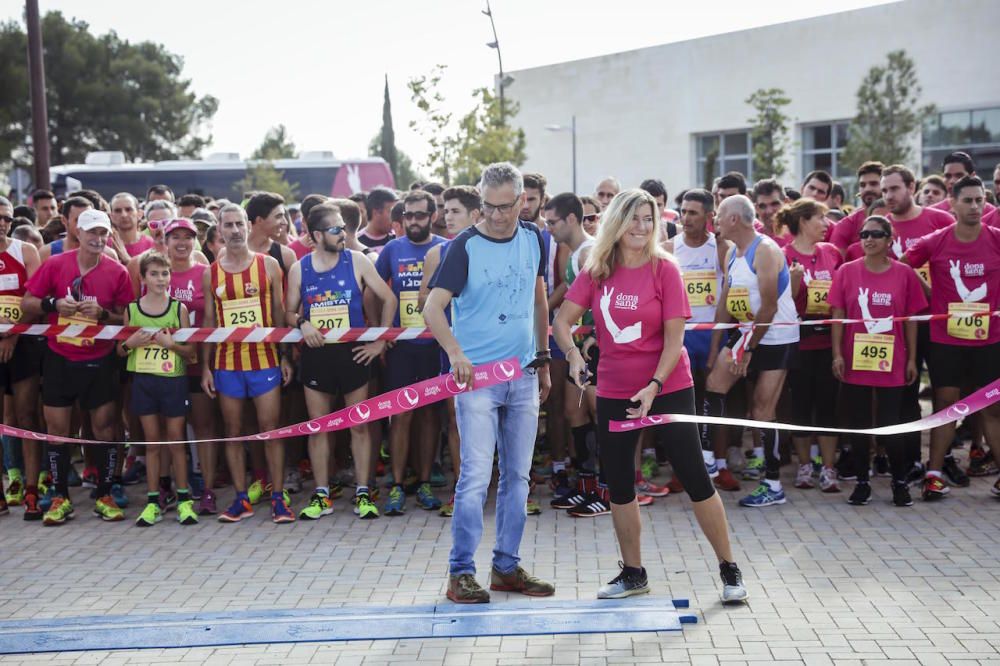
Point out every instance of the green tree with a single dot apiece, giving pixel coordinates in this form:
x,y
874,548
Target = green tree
x,y
103,93
263,177
405,172
484,136
769,132
275,146
387,144
888,114
434,124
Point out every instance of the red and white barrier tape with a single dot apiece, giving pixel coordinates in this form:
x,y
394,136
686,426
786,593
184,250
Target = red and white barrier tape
x,y
381,406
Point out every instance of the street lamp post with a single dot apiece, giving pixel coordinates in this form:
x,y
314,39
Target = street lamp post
x,y
572,130
504,80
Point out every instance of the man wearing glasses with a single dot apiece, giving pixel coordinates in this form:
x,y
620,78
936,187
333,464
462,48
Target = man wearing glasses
x,y
401,263
493,275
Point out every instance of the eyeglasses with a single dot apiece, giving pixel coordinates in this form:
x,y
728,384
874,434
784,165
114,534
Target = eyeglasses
x,y
417,215
6,218
591,218
489,209
156,224
873,233
333,231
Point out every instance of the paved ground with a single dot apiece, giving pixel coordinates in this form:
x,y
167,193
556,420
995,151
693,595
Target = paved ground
x,y
828,583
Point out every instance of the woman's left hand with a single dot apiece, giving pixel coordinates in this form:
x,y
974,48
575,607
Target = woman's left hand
x,y
645,399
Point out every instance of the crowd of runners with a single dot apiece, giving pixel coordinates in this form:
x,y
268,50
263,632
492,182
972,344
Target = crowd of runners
x,y
490,269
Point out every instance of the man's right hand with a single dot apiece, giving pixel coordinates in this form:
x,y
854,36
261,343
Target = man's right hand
x,y
208,383
67,307
312,337
461,368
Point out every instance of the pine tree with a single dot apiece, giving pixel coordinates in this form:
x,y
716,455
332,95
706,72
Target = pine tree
x,y
387,149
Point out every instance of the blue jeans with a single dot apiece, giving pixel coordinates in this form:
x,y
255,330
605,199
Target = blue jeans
x,y
502,418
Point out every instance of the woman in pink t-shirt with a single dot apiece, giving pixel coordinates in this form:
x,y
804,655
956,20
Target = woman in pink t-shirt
x,y
876,358
640,306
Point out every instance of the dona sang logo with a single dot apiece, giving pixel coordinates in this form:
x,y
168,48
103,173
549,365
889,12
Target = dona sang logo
x,y
504,371
310,427
407,398
360,413
958,410
453,386
652,420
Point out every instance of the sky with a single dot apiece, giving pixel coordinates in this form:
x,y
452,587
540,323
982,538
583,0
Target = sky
x,y
318,67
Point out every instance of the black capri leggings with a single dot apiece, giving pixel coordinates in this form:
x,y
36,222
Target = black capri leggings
x,y
617,449
887,411
813,390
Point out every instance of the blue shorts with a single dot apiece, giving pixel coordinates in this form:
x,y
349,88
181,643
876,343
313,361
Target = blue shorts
x,y
153,395
243,384
554,350
697,344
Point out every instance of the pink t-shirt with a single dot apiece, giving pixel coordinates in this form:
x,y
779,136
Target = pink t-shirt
x,y
186,288
299,248
140,246
894,293
945,205
784,239
855,251
634,303
846,231
976,276
991,219
107,283
820,266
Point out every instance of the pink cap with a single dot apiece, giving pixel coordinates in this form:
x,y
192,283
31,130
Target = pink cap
x,y
180,223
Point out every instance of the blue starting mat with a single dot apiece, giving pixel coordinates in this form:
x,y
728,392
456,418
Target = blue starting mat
x,y
446,620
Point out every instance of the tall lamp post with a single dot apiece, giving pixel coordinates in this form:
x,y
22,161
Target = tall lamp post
x,y
572,130
504,80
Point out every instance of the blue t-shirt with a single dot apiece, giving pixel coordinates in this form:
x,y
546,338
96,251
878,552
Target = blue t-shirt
x,y
492,282
401,263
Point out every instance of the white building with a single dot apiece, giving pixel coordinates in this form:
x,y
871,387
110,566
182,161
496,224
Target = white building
x,y
659,111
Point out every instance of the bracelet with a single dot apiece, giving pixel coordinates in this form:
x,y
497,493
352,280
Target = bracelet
x,y
125,348
301,320
104,315
49,304
656,381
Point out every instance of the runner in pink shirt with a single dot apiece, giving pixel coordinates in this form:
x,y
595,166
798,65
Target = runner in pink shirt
x,y
955,167
869,189
909,221
876,359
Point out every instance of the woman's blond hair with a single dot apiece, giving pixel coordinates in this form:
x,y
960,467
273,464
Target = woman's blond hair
x,y
615,221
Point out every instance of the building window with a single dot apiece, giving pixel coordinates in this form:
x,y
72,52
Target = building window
x,y
720,152
823,148
977,132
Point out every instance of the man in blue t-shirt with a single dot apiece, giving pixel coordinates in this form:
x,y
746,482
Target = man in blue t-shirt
x,y
401,263
493,275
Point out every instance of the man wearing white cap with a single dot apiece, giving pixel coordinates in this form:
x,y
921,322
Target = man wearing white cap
x,y
81,287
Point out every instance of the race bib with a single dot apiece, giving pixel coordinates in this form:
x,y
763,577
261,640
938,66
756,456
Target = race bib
x,y
155,360
329,316
10,308
817,297
242,312
409,310
76,320
873,352
969,321
700,287
925,273
9,282
738,303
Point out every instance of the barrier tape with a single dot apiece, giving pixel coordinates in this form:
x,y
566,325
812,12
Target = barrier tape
x,y
374,409
974,402
367,334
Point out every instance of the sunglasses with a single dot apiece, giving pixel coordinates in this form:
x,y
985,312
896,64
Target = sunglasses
x,y
6,218
873,233
591,218
333,231
156,224
418,215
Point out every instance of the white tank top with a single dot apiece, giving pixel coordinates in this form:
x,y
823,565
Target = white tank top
x,y
702,259
742,275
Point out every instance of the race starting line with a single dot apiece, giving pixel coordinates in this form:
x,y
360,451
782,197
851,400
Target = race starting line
x,y
445,620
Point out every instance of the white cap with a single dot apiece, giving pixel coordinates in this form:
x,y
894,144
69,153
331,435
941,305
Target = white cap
x,y
93,219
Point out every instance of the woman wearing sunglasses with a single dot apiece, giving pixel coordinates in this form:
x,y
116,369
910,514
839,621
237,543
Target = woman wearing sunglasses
x,y
877,357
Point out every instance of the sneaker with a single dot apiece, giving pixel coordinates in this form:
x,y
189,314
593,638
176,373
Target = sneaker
x,y
256,492
647,487
168,499
410,483
426,499
44,481
149,516
817,465
625,585
186,515
762,495
31,509
726,480
828,480
882,466
916,473
643,500
447,509
520,581
754,469
712,468
732,583
804,477
106,508
280,513
559,483
336,490
237,511
862,495
319,505
395,504
571,499
464,589
438,479
956,475
934,489
996,489
592,505
60,511
293,481
73,479
845,468
90,477
982,463
206,505
675,486
15,489
119,496
649,467
134,472
901,494
364,508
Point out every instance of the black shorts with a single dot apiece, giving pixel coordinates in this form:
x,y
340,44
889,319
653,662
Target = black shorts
x,y
26,362
962,366
161,396
813,390
408,363
194,384
769,357
331,369
91,383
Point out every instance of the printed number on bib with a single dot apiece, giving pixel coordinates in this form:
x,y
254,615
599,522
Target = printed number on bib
x,y
242,312
10,308
76,320
925,273
409,310
873,352
329,316
700,287
817,297
738,303
969,321
155,360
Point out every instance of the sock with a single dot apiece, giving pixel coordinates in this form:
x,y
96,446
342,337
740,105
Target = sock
x,y
758,452
362,490
558,466
323,490
141,458
634,571
713,405
721,463
153,498
649,453
708,456
814,450
773,484
934,472
183,495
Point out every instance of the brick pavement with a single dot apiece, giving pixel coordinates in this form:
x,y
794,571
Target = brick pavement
x,y
829,583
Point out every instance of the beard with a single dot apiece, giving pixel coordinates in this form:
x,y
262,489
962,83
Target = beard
x,y
418,234
334,247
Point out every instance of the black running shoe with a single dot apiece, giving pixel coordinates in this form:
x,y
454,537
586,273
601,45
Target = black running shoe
x,y
732,583
901,494
625,585
956,475
845,468
916,473
591,506
862,495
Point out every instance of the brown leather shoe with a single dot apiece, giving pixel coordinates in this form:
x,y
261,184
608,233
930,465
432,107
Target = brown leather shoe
x,y
521,581
464,589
